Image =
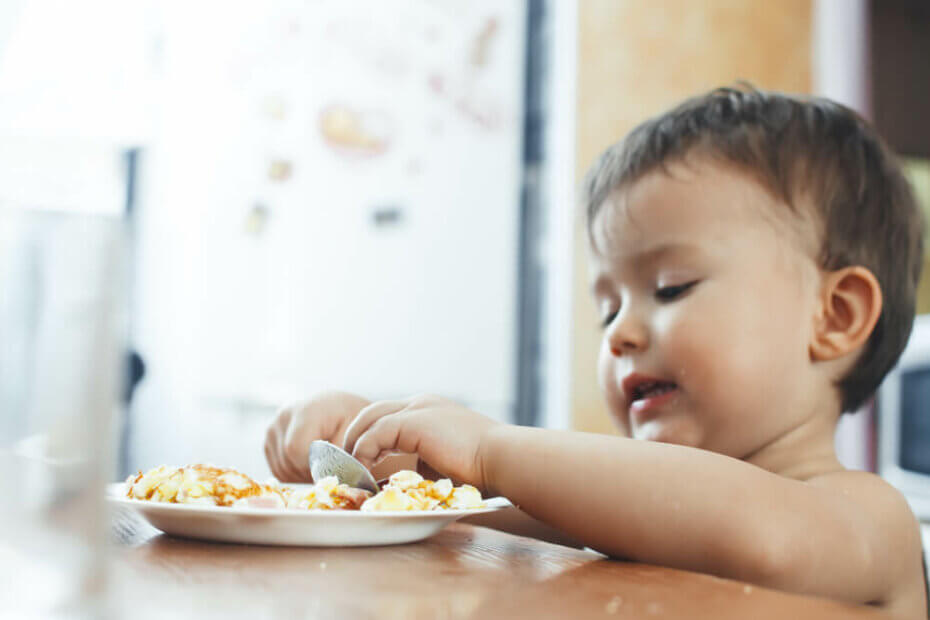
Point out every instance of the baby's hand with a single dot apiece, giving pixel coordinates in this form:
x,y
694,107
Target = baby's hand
x,y
287,441
444,434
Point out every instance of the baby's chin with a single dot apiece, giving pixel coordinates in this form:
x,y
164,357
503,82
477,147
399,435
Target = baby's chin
x,y
679,430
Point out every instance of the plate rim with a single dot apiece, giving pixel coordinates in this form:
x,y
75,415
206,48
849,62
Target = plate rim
x,y
113,496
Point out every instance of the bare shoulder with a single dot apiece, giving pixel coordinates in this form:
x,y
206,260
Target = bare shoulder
x,y
893,533
875,497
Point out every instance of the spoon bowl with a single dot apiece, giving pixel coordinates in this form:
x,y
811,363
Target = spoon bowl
x,y
327,459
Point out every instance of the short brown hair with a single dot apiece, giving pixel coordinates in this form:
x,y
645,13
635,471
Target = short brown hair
x,y
808,150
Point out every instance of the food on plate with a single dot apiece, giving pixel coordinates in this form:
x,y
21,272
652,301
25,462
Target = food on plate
x,y
408,490
204,485
327,494
208,485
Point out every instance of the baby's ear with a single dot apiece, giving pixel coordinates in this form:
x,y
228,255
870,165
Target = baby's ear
x,y
850,304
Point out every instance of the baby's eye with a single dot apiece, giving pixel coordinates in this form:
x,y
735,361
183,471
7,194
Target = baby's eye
x,y
608,319
669,293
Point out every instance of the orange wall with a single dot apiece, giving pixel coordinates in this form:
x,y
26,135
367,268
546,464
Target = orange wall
x,y
638,57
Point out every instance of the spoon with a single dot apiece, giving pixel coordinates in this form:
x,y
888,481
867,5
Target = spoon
x,y
329,460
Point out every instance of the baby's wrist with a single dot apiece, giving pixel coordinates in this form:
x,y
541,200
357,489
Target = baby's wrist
x,y
493,442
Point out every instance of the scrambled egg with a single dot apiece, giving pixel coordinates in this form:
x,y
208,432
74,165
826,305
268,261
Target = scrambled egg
x,y
204,485
327,494
216,486
407,490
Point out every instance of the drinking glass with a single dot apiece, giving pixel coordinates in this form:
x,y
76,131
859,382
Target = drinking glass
x,y
62,321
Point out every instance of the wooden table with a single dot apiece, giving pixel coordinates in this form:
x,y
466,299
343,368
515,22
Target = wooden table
x,y
463,572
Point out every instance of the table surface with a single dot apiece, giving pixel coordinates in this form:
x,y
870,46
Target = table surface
x,y
465,571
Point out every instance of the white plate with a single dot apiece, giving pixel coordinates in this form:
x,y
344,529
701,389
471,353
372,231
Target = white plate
x,y
280,526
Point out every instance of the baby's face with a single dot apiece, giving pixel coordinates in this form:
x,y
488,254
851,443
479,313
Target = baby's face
x,y
707,290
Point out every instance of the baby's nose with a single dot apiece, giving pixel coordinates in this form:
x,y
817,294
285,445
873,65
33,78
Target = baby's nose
x,y
626,335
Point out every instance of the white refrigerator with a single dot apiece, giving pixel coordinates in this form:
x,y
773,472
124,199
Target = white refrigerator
x,y
330,199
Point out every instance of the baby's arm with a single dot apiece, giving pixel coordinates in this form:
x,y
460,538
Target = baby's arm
x,y
665,504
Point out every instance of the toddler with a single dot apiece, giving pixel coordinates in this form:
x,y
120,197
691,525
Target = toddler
x,y
754,259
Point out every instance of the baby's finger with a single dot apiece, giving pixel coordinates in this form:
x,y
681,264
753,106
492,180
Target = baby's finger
x,y
382,437
268,460
368,416
291,474
277,455
273,438
295,451
272,451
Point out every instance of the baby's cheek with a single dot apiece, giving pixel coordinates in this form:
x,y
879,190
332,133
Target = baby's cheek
x,y
604,364
692,363
697,356
723,371
610,388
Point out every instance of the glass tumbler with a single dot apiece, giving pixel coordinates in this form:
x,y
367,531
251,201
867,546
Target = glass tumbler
x,y
62,317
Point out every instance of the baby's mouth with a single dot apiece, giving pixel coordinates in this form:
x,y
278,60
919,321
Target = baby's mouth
x,y
652,390
647,399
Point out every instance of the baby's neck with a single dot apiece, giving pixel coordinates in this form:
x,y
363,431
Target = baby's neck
x,y
802,453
